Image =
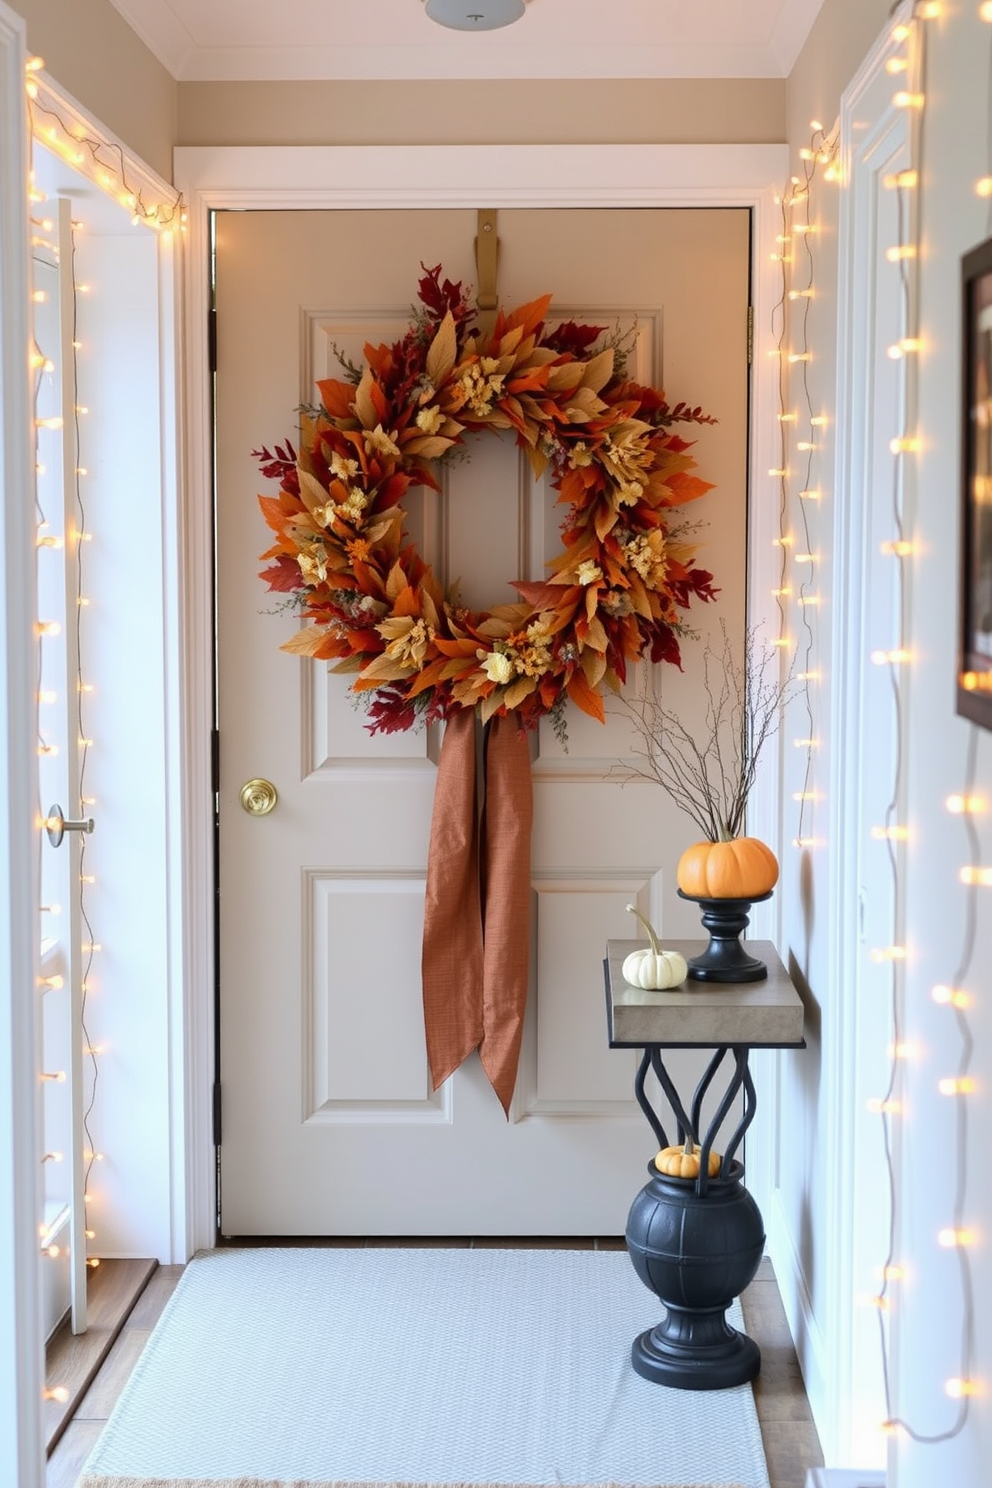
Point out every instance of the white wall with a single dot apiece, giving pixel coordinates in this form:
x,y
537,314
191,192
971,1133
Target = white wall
x,y
124,651
820,1197
928,1326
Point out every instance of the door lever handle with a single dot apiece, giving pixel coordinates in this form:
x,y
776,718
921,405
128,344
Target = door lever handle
x,y
56,825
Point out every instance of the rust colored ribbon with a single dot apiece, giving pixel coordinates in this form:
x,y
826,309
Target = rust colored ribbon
x,y
476,952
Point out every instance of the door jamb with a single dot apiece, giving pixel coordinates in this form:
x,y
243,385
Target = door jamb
x,y
420,176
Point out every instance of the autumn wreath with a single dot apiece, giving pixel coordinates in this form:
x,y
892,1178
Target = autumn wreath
x,y
617,590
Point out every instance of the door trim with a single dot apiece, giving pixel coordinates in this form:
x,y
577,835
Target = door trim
x,y
873,131
420,176
22,1365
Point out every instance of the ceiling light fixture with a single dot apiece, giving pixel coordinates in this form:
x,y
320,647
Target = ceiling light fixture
x,y
475,15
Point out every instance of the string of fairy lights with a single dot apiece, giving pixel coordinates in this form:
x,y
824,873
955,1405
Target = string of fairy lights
x,y
72,542
799,437
64,130
61,129
77,141
801,433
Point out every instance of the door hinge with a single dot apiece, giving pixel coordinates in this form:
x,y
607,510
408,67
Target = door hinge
x,y
750,334
212,339
217,1113
215,760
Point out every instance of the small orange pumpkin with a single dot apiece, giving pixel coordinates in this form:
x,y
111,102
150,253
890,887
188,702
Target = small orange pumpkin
x,y
742,869
683,1162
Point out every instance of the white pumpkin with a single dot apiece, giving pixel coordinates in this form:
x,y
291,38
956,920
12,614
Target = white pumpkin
x,y
653,968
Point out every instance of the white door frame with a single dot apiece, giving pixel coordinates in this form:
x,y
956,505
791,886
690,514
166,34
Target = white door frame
x,y
873,133
21,1352
418,176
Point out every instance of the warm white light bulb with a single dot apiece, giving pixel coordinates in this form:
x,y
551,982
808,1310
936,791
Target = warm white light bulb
x,y
965,805
950,997
952,1239
882,954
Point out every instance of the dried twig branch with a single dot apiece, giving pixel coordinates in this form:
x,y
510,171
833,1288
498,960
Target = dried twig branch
x,y
711,778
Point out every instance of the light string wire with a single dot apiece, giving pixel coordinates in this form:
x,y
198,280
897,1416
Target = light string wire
x,y
40,365
84,743
107,158
905,445
799,287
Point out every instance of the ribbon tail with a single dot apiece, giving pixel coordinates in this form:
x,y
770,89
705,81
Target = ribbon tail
x,y
507,852
452,945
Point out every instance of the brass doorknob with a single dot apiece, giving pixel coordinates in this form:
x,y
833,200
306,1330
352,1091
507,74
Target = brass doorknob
x,y
258,797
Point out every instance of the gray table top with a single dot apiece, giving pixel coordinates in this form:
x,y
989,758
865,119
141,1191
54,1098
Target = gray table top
x,y
765,1014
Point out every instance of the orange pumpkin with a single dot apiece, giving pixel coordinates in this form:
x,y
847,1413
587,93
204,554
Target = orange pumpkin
x,y
683,1162
742,869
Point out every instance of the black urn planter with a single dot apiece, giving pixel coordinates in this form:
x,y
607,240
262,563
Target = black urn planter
x,y
696,1252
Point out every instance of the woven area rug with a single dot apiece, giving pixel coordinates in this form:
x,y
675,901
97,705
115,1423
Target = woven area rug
x,y
314,1368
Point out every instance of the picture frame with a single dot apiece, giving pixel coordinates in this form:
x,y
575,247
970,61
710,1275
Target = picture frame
x,y
974,661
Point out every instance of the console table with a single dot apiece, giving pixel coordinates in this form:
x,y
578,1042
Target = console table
x,y
696,1242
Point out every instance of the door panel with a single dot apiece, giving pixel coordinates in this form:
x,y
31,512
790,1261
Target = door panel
x,y
329,1122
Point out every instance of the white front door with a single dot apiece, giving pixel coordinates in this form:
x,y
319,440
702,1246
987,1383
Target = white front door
x,y
329,1123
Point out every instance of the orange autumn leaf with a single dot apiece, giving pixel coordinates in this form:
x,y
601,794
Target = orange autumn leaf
x,y
585,697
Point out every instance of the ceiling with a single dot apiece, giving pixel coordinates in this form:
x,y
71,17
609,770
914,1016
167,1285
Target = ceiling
x,y
213,40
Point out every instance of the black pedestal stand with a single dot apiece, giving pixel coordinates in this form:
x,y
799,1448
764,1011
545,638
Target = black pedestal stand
x,y
725,959
696,1253
696,1242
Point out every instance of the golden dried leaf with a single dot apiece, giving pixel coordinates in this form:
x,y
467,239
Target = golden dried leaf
x,y
491,705
496,630
376,531
396,582
383,669
599,371
518,690
606,520
306,641
538,460
428,609
443,350
364,406
430,447
498,420
568,375
596,635
510,342
312,493
593,663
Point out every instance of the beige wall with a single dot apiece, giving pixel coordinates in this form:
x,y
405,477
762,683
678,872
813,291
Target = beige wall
x,y
643,111
842,34
95,56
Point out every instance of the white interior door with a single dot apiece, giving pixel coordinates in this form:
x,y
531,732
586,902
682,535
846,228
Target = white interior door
x,y
329,1125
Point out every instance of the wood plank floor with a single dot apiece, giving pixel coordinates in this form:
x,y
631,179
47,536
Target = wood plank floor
x,y
127,1304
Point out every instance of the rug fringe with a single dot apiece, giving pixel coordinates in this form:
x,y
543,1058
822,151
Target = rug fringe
x,y
98,1480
